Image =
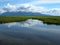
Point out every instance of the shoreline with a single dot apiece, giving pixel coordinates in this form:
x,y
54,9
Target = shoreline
x,y
46,19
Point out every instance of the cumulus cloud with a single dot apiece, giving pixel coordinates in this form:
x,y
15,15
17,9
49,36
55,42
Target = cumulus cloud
x,y
32,8
23,7
9,7
54,11
27,23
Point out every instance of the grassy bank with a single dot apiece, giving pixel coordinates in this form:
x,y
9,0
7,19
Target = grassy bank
x,y
45,19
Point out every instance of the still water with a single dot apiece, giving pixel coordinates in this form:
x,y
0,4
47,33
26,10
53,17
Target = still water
x,y
29,32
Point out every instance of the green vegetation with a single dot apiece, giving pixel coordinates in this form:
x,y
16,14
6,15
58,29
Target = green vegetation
x,y
45,19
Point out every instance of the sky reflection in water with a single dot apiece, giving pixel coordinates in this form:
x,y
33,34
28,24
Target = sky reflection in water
x,y
29,32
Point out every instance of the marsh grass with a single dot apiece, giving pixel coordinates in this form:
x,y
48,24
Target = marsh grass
x,y
45,19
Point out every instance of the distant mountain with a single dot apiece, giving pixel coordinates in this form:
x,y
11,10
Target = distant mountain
x,y
22,14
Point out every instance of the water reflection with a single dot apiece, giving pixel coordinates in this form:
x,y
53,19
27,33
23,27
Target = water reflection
x,y
27,23
29,32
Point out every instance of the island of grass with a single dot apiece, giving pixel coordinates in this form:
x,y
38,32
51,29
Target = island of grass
x,y
45,19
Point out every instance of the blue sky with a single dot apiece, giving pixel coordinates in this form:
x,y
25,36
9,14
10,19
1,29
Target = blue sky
x,y
13,2
49,6
45,3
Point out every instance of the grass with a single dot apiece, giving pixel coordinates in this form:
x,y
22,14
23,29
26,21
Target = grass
x,y
45,19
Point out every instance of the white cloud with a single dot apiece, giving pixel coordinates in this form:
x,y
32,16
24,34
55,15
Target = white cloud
x,y
32,8
11,8
2,11
23,7
44,2
54,11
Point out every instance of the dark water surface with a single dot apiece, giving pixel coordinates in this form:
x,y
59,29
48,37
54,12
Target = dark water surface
x,y
31,32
